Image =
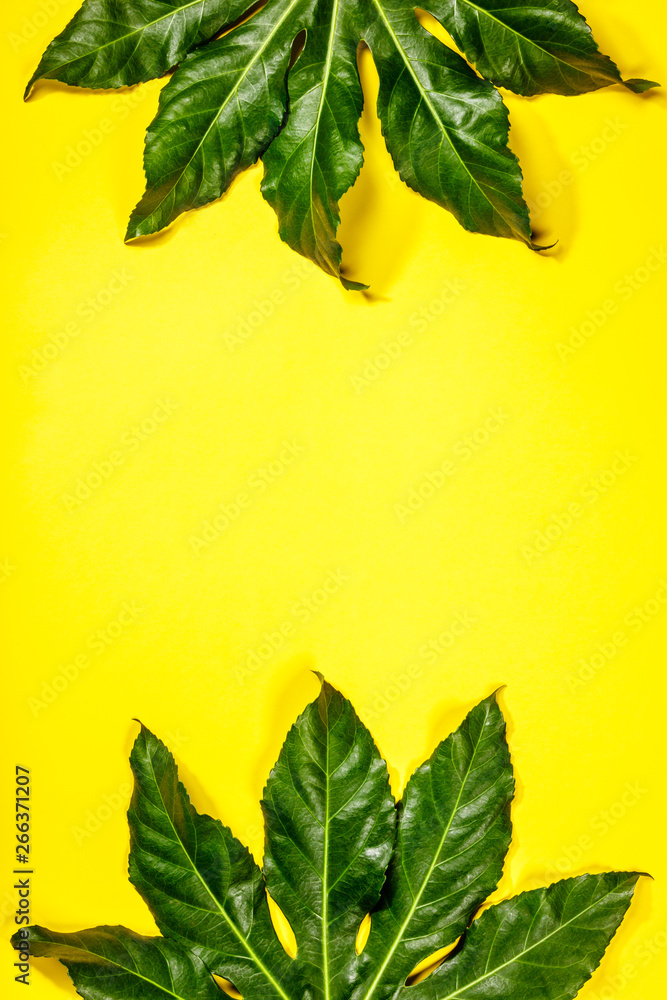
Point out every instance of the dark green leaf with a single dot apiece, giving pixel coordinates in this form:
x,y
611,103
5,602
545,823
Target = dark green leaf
x,y
201,885
217,114
531,49
330,821
545,943
115,43
318,154
445,128
330,825
453,833
236,98
112,963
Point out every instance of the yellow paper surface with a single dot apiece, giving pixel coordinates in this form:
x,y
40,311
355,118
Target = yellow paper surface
x,y
224,471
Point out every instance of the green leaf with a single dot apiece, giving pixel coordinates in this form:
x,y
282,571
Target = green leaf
x,y
115,43
201,885
331,857
532,49
454,831
330,823
545,943
217,114
318,154
445,128
252,94
114,963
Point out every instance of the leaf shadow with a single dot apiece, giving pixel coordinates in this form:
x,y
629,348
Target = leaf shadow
x,y
445,718
549,184
290,688
609,29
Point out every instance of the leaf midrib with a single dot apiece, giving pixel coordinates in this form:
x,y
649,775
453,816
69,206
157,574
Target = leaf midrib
x,y
251,953
325,85
325,876
436,855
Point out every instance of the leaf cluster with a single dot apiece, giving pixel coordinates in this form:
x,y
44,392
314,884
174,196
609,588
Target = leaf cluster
x,y
280,81
338,847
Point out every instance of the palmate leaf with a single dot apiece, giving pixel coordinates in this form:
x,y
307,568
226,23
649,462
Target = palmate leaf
x,y
243,91
337,848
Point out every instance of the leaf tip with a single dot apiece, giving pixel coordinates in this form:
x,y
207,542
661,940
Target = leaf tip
x,y
538,248
30,86
136,226
353,286
143,733
327,692
131,233
639,86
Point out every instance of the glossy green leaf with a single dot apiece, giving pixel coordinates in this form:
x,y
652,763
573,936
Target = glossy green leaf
x,y
539,48
318,154
115,43
334,853
454,831
445,128
330,823
112,962
252,94
546,943
201,885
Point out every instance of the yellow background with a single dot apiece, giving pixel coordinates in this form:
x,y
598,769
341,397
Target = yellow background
x,y
475,325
